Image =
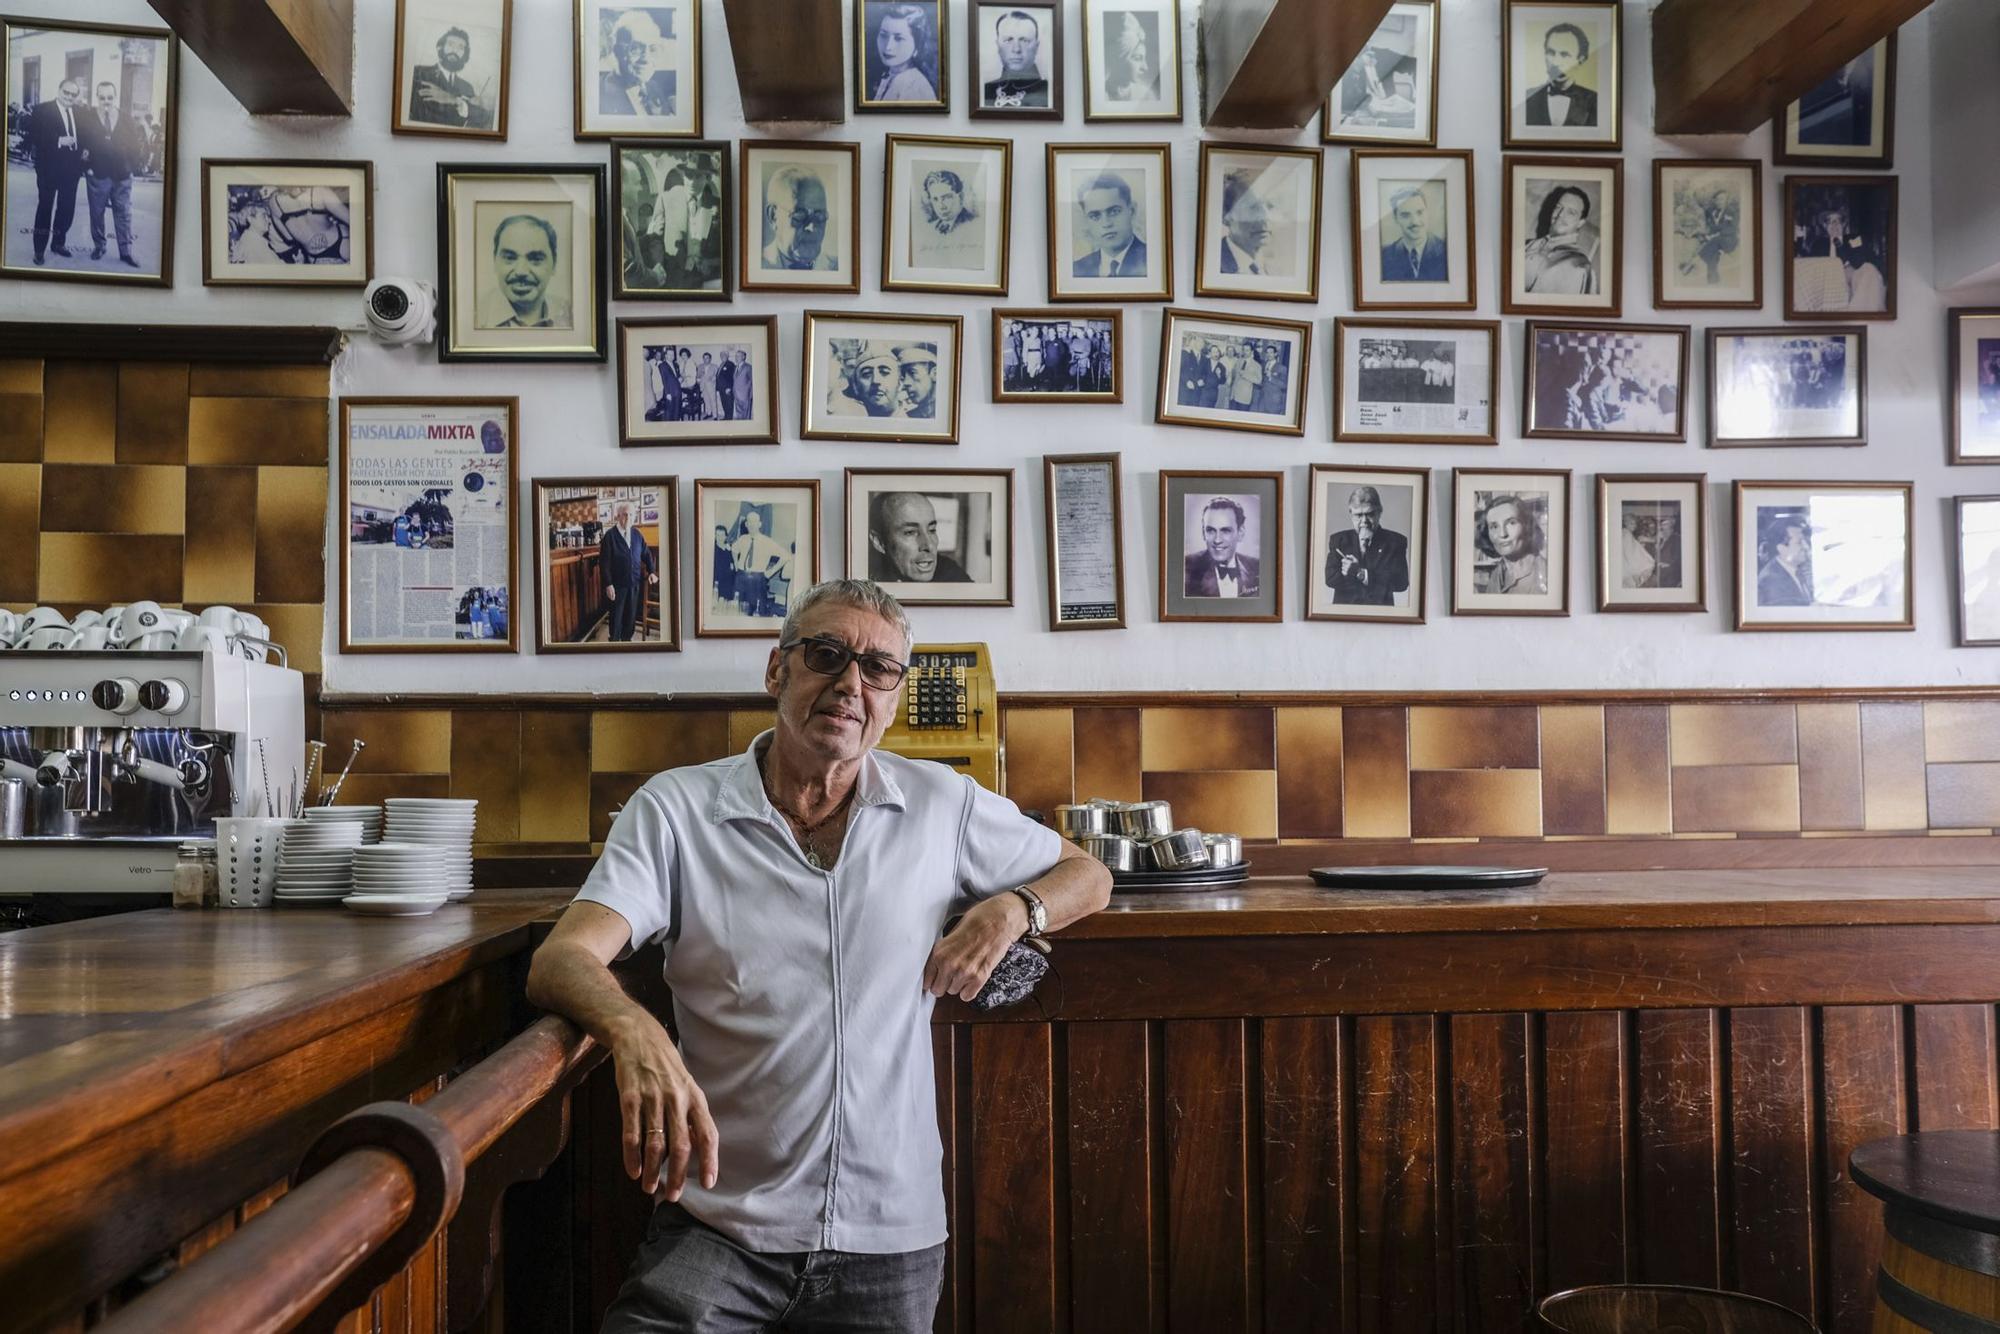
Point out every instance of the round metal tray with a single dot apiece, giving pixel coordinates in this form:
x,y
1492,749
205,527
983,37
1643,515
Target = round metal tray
x,y
1202,877
1427,877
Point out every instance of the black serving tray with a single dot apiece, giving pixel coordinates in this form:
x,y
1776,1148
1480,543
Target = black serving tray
x,y
1427,877
1201,877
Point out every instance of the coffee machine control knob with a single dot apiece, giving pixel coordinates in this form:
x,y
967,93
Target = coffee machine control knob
x,y
168,697
119,694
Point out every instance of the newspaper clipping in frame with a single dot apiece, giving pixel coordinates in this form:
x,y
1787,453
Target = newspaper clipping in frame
x,y
1418,381
429,549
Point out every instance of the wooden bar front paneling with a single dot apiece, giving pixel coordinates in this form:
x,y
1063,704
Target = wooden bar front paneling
x,y
1210,1280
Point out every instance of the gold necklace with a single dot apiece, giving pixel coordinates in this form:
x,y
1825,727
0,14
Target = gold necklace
x,y
806,832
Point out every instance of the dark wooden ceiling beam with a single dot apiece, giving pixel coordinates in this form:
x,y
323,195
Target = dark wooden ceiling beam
x,y
279,57
791,64
1728,66
270,345
1268,64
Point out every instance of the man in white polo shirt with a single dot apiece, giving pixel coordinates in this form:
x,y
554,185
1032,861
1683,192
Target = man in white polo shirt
x,y
799,890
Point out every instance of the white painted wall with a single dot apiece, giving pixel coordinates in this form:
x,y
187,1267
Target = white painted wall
x,y
1964,100
568,412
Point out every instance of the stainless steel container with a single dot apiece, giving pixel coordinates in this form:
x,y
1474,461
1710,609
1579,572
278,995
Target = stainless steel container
x,y
1143,820
1106,803
13,808
1114,850
1076,821
1182,850
1224,850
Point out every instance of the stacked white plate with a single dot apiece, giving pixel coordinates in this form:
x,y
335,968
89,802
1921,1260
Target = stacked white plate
x,y
398,879
368,817
443,823
316,861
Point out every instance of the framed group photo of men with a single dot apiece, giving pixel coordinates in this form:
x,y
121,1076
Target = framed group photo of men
x,y
1842,261
763,545
1824,555
800,216
1368,544
1510,542
1233,372
520,269
943,537
880,377
1605,382
945,210
607,565
638,69
1708,234
1973,350
1411,220
1111,228
1562,236
1389,94
452,65
1222,550
1414,382
1257,223
267,223
1652,542
1084,509
698,381
1014,59
671,206
1561,62
1131,60
1780,386
1848,120
1060,355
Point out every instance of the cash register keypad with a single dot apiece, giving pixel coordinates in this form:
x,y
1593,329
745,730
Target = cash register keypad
x,y
936,699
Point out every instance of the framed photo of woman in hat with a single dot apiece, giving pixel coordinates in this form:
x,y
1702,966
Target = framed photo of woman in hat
x,y
880,377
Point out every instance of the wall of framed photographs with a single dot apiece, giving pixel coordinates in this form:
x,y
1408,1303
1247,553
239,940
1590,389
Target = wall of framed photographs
x,y
1163,303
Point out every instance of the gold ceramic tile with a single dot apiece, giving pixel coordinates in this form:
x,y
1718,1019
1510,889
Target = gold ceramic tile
x,y
1964,796
486,764
21,375
607,791
1186,740
277,432
221,545
102,568
20,428
1737,798
1830,766
1956,732
1309,772
1218,801
1733,734
638,741
1573,769
291,534
1892,765
1039,774
124,498
746,725
555,777
1476,803
152,412
1636,773
1474,737
20,514
80,412
299,626
1107,754
222,379
400,741
1375,773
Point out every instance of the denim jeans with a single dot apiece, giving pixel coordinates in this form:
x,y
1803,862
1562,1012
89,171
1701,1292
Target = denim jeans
x,y
690,1279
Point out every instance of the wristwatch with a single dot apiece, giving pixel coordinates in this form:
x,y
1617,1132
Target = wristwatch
x,y
1038,914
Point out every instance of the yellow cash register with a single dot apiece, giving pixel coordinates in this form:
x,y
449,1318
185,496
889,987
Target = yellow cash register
x,y
951,712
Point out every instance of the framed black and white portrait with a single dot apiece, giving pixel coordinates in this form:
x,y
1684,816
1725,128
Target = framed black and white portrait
x,y
946,204
1014,59
674,230
1111,231
1368,550
943,537
880,377
901,50
1974,350
1257,223
1412,229
1561,67
520,268
1065,355
91,136
269,223
1233,372
1509,542
1708,234
1222,549
1849,120
1389,94
1841,264
698,381
1606,382
762,544
800,216
452,65
1131,60
607,565
1787,387
1977,525
1083,505
1562,235
1824,555
638,69
1652,542
1414,382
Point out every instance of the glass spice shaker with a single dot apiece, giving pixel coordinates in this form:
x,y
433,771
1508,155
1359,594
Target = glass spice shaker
x,y
197,878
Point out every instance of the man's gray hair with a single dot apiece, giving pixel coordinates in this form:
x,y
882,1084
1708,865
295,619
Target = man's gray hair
x,y
864,594
1415,192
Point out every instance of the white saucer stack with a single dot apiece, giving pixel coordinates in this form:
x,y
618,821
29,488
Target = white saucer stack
x,y
443,823
316,861
398,879
368,817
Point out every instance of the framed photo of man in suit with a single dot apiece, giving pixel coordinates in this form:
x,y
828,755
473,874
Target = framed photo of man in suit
x,y
1222,554
638,69
520,262
452,63
607,565
1368,544
1110,222
1257,223
1411,215
800,216
698,381
1824,555
1014,55
1233,372
945,210
1561,65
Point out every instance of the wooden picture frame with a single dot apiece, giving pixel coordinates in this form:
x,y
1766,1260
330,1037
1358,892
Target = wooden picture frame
x,y
1226,270
290,244
624,117
1415,383
1074,487
882,557
1477,591
1344,581
1621,588
1593,21
1791,522
903,343
1089,213
1591,371
1225,385
579,592
1018,369
1975,383
922,175
1787,146
1017,103
1157,67
463,118
1675,206
773,266
472,328
933,67
1978,617
1552,272
636,274
1422,19
645,409
1739,398
1256,549
766,613
1868,289
1404,272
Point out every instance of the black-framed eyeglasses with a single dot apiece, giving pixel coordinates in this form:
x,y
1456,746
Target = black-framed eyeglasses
x,y
829,657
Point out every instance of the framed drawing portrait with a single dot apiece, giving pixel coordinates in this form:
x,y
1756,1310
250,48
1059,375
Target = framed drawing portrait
x,y
763,542
452,62
1014,60
1973,346
1111,226
1389,94
1652,541
1414,382
1412,224
800,217
520,270
1233,372
698,381
607,565
1222,550
1842,260
945,210
672,209
1067,355
638,69
1257,223
1368,548
1849,120
1824,555
1562,235
1708,234
91,129
900,50
1787,387
270,223
1131,60
1084,507
943,538
1977,524
1606,382
880,377
1510,542
1560,76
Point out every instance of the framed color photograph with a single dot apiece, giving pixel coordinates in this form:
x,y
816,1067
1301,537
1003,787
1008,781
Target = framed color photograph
x,y
880,377
1069,355
1824,555
1233,372
1606,382
1562,235
1787,387
1841,264
901,50
1257,224
607,565
452,59
1561,62
800,216
1084,505
763,542
698,381
638,69
1509,542
1416,382
1849,120
1111,233
1222,549
91,130
674,230
1389,94
520,270
427,494
1368,548
1132,60
1974,348
943,537
945,210
1412,228
1652,541
1708,234
1978,550
1014,59
267,223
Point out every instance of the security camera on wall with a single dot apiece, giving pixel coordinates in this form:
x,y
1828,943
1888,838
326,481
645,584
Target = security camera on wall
x,y
400,311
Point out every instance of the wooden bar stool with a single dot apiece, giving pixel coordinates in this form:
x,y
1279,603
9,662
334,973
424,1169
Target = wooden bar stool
x,y
1941,1259
1660,1308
